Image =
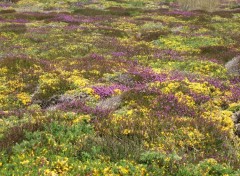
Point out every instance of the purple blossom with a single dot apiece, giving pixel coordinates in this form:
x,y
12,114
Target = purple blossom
x,y
89,20
235,90
146,75
79,106
235,80
67,18
168,55
217,83
75,19
118,54
19,21
106,91
168,105
5,5
199,98
96,56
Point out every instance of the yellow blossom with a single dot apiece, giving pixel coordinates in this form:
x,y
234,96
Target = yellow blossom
x,y
24,162
24,98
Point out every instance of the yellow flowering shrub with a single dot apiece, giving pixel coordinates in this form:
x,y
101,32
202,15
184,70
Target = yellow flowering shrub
x,y
50,84
24,98
185,99
187,44
170,87
117,91
61,166
192,137
78,81
126,26
201,88
49,80
222,119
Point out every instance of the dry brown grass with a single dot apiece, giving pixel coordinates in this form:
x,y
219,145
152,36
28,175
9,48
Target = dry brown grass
x,y
208,5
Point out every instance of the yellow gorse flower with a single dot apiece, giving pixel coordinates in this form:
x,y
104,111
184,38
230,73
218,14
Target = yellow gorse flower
x,y
24,98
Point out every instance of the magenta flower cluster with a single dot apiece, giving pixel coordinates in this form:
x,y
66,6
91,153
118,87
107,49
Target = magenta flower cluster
x,y
107,91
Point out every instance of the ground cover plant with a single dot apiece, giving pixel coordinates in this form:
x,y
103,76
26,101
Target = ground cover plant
x,y
119,87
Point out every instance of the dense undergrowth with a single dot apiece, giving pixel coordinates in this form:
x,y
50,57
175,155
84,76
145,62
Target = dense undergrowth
x,y
117,87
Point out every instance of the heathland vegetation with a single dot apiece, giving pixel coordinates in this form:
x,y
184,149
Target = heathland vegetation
x,y
119,87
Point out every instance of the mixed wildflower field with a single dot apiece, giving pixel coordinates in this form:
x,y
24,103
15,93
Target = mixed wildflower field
x,y
117,87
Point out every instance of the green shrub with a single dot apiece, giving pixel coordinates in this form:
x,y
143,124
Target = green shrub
x,y
159,163
207,167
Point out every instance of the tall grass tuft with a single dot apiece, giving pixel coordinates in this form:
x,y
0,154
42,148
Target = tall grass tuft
x,y
208,5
